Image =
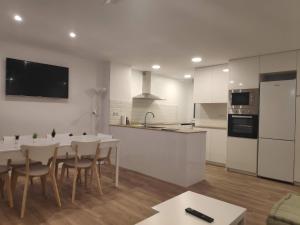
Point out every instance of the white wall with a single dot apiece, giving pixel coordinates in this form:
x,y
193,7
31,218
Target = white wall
x,y
127,83
25,115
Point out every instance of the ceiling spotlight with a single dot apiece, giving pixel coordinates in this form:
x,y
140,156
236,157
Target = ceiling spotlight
x,y
18,18
226,70
187,76
196,59
240,84
72,35
156,67
231,82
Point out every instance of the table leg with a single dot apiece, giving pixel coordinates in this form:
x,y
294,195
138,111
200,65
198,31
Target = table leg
x,y
242,222
117,165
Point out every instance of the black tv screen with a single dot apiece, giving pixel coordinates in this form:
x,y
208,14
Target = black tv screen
x,y
36,79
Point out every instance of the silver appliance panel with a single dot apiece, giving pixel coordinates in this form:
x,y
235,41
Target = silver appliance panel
x,y
244,101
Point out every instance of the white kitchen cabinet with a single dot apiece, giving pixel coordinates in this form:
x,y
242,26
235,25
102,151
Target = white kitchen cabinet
x,y
284,61
211,85
297,148
202,85
216,140
218,145
244,73
298,72
242,154
219,85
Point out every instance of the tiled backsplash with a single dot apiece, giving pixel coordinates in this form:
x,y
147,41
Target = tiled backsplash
x,y
136,111
211,114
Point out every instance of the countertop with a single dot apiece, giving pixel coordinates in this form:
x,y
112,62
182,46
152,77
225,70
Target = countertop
x,y
166,128
212,127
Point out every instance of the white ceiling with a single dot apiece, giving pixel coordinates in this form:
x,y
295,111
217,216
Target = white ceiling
x,y
168,32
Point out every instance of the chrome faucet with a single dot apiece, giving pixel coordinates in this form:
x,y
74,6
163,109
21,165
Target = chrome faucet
x,y
145,121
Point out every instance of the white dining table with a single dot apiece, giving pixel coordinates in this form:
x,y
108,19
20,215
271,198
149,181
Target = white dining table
x,y
11,148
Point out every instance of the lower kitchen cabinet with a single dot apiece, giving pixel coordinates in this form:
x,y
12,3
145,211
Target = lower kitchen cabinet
x,y
216,146
242,154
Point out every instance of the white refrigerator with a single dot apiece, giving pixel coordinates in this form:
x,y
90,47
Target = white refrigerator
x,y
276,147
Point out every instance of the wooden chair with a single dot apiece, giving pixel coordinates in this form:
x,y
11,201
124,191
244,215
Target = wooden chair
x,y
18,160
104,159
79,163
43,170
63,153
5,182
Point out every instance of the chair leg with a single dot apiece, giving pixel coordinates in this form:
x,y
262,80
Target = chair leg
x,y
8,190
43,182
31,181
2,187
55,190
85,177
91,178
99,168
74,185
79,176
67,172
98,180
14,177
24,196
62,176
56,170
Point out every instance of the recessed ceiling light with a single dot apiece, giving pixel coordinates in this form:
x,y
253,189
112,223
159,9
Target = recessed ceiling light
x,y
226,70
72,35
156,67
187,76
196,59
232,81
18,18
241,84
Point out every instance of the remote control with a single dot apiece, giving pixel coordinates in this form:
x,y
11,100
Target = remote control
x,y
199,215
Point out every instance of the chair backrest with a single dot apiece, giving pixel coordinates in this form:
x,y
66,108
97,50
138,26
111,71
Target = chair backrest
x,y
26,140
40,153
9,139
86,147
104,136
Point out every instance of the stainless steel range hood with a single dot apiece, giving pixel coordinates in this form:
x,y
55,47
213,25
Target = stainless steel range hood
x,y
146,94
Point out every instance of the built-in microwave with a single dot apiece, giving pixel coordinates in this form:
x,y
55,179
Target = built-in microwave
x,y
243,101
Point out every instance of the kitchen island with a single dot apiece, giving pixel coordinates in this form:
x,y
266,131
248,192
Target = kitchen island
x,y
173,155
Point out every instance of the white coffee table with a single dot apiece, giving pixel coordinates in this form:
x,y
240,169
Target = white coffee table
x,y
172,212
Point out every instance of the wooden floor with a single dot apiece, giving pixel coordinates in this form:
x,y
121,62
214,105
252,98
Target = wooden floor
x,y
132,202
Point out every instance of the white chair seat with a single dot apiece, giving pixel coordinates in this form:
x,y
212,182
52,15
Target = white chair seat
x,y
36,170
21,163
64,157
82,163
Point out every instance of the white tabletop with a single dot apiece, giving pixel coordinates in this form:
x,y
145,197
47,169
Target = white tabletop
x,y
172,212
8,147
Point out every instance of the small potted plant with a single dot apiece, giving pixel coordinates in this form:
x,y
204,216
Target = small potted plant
x,y
34,137
17,138
53,134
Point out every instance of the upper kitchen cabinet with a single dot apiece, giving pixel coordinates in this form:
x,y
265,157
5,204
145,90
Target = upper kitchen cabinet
x,y
211,85
279,62
244,73
202,85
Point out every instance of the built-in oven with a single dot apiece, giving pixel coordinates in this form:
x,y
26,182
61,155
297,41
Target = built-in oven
x,y
243,126
243,113
244,101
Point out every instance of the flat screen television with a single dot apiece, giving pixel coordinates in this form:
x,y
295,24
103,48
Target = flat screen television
x,y
36,79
